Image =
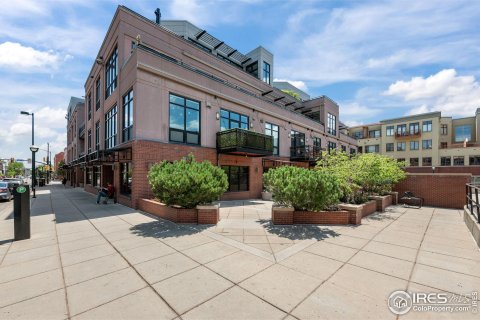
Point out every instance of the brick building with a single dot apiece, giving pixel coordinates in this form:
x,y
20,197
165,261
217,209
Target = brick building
x,y
159,90
57,158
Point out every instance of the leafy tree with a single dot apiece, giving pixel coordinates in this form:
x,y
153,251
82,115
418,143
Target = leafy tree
x,y
303,189
15,169
187,183
60,171
292,93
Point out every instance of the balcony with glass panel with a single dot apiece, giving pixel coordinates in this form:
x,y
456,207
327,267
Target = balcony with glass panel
x,y
243,142
305,153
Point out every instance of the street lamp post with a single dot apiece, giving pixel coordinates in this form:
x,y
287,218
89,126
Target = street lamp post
x,y
33,149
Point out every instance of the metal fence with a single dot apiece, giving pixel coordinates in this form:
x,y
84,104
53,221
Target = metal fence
x,y
472,192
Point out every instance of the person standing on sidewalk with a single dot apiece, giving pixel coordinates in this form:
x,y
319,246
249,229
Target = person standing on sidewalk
x,y
106,192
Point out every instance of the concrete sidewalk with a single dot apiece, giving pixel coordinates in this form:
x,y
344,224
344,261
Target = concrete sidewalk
x,y
88,261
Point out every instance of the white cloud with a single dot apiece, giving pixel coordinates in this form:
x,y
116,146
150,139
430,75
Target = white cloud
x,y
296,83
353,123
356,109
444,91
14,55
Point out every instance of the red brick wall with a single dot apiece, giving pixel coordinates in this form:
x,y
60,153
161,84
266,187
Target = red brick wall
x,y
322,217
474,170
208,216
438,190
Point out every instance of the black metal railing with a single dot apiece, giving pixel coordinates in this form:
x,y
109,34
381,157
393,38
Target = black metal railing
x,y
305,153
243,141
472,200
81,130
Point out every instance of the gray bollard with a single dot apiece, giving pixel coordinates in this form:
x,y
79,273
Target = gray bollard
x,y
21,212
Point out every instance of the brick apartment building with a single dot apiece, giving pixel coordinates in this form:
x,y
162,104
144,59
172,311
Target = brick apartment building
x,y
425,140
159,90
57,158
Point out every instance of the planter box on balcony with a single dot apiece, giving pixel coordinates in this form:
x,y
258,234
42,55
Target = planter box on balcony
x,y
201,214
358,211
282,215
382,202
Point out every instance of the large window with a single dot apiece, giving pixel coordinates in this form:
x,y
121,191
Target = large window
x,y
89,141
372,149
126,178
331,146
266,72
231,120
402,129
390,130
127,125
184,120
443,129
253,69
111,128
401,146
317,143
237,178
89,106
413,162
97,136
427,161
96,176
111,73
414,128
459,161
97,94
332,124
474,160
427,126
272,130
427,144
462,133
414,145
446,161
374,133
389,147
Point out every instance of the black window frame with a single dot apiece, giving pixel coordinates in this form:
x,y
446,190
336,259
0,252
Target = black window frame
x,y
266,72
243,173
426,163
241,121
457,162
414,162
390,131
331,146
185,133
390,144
474,160
127,119
331,124
126,172
446,161
414,128
97,135
443,129
270,132
111,73
401,129
111,126
376,148
252,69
89,106
89,141
377,133
404,146
98,93
426,145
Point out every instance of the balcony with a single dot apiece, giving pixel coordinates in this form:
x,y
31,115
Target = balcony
x,y
408,135
244,142
81,131
305,153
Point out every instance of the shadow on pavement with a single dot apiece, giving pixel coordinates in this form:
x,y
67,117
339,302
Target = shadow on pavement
x,y
166,229
299,232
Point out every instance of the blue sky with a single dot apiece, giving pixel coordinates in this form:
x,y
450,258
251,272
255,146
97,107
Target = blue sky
x,y
377,59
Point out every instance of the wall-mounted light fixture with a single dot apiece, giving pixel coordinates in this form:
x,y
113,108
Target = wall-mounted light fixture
x,y
217,115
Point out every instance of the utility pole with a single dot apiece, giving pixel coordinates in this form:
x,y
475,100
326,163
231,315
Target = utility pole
x,y
48,162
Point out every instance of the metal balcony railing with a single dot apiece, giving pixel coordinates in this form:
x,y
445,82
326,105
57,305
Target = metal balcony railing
x,y
244,142
305,153
408,134
473,202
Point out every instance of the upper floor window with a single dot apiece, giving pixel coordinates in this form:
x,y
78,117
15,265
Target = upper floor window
x,y
184,120
111,73
111,128
389,147
272,130
253,69
372,149
443,129
414,145
427,126
89,141
463,132
401,129
390,130
266,72
358,135
97,94
401,146
89,103
97,135
127,125
414,128
427,144
374,133
317,142
231,120
332,124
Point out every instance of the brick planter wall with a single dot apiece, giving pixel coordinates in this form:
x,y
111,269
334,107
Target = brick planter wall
x,y
394,195
289,216
442,190
382,202
358,211
205,215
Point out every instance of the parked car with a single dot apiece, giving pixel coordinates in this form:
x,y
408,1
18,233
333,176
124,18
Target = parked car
x,y
13,183
5,193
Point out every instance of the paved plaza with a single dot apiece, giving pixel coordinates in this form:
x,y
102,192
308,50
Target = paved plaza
x,y
88,261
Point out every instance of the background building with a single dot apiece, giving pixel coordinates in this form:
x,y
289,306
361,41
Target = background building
x,y
426,140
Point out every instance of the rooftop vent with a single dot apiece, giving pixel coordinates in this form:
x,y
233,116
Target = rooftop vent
x,y
158,15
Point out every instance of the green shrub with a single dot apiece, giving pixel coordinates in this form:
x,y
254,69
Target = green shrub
x,y
362,175
187,183
302,189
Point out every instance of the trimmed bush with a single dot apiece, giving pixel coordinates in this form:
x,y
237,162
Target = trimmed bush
x,y
187,183
302,189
